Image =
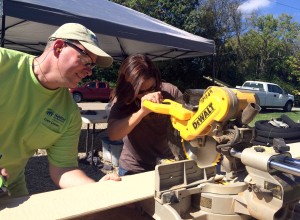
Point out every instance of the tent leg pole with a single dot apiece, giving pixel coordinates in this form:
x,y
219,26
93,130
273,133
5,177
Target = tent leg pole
x,y
214,69
3,31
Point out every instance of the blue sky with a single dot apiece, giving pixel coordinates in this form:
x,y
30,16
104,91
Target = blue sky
x,y
275,7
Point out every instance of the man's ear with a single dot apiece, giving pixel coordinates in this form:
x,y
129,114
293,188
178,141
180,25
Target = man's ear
x,y
58,45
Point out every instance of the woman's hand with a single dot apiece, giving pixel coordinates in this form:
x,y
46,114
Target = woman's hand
x,y
155,97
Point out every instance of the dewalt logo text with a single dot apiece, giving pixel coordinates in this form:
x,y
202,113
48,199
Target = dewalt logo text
x,y
203,116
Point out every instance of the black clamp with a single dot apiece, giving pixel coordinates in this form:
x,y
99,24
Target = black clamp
x,y
279,145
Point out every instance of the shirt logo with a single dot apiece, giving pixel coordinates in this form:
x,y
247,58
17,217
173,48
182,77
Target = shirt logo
x,y
53,120
50,112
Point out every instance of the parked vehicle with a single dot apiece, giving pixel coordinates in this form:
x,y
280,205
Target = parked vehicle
x,y
93,91
270,95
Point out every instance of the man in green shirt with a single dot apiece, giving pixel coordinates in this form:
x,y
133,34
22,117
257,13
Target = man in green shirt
x,y
37,111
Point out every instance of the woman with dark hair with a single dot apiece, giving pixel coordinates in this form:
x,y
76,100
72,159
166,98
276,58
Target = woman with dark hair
x,y
144,133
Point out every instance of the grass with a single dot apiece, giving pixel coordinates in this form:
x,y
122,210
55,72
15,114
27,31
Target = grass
x,y
276,113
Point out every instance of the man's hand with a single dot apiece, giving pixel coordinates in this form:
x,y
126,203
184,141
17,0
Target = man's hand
x,y
111,176
3,182
3,172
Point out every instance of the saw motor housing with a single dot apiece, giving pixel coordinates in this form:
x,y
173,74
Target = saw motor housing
x,y
217,106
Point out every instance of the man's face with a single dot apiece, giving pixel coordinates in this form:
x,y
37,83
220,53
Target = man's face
x,y
74,63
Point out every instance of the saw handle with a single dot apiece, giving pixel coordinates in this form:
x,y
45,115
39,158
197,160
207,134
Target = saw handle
x,y
169,107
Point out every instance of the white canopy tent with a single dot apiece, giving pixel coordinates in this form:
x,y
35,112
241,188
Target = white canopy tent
x,y
27,24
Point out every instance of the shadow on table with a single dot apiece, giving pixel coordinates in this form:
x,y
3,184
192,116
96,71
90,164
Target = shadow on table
x,y
37,170
38,178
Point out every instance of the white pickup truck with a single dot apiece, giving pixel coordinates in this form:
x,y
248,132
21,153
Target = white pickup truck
x,y
270,95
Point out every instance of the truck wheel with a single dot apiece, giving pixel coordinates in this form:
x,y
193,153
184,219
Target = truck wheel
x,y
288,106
77,97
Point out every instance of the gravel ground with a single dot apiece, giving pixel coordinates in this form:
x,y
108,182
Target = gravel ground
x,y
37,174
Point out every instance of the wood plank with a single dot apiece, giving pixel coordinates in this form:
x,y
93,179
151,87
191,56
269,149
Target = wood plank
x,y
295,150
123,212
79,201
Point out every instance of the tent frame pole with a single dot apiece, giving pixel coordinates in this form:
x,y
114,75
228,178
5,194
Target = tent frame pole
x,y
3,31
214,69
3,23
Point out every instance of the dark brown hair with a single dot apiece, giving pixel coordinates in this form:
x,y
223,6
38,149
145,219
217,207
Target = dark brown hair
x,y
134,70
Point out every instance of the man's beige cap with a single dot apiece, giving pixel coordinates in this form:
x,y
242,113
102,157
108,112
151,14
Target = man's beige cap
x,y
86,37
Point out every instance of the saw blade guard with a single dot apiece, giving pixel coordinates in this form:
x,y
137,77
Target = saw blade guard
x,y
202,150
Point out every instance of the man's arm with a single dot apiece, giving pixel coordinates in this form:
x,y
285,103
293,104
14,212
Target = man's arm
x,y
69,177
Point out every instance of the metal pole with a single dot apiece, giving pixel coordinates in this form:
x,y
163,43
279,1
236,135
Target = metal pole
x,y
3,30
285,168
214,69
292,161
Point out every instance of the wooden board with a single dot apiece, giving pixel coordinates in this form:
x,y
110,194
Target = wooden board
x,y
79,201
295,150
119,213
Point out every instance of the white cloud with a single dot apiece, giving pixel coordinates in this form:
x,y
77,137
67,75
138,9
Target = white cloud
x,y
252,5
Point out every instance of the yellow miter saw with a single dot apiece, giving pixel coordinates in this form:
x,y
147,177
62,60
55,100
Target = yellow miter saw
x,y
198,128
249,181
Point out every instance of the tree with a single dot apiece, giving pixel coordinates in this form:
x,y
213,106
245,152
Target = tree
x,y
218,20
267,47
294,66
185,73
261,47
104,74
169,11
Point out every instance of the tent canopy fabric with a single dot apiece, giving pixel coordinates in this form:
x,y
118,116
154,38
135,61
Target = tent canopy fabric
x,y
121,31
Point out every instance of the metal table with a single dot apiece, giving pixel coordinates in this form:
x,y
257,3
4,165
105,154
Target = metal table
x,y
99,118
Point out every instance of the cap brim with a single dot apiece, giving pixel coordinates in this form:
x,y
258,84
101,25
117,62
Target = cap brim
x,y
103,59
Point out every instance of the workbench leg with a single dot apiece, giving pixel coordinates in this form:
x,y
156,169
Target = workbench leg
x,y
87,140
92,147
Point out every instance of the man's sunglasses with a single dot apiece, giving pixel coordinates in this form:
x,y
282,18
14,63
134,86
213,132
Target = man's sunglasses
x,y
83,54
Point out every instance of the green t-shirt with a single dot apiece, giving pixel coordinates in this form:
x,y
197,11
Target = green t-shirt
x,y
33,117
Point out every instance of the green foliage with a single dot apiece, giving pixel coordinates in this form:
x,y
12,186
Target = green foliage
x,y
109,75
186,73
258,48
169,11
268,48
293,65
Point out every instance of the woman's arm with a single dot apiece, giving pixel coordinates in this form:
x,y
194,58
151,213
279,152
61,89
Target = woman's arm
x,y
119,128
